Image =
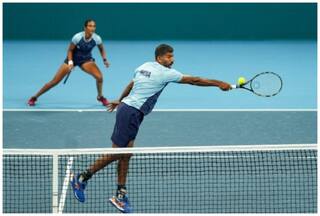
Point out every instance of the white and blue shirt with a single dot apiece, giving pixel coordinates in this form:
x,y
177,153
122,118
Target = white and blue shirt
x,y
149,81
84,47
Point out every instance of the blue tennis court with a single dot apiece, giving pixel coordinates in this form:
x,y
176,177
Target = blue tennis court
x,y
253,121
295,61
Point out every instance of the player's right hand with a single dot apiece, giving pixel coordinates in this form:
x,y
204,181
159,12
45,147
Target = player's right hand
x,y
225,86
112,105
70,66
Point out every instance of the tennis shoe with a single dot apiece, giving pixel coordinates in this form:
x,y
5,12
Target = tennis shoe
x,y
78,188
32,101
121,202
103,100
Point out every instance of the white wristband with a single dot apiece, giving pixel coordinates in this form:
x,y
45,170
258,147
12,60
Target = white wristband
x,y
70,62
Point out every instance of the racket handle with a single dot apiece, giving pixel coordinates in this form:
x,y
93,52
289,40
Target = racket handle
x,y
65,80
234,86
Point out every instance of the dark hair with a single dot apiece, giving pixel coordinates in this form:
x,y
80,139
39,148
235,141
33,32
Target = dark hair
x,y
162,49
87,21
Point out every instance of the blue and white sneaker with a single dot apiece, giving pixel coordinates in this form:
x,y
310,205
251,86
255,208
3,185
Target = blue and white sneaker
x,y
121,202
78,188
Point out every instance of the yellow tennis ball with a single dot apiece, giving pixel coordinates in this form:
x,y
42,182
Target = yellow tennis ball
x,y
241,81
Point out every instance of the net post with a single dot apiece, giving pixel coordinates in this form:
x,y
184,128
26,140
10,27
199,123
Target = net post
x,y
55,178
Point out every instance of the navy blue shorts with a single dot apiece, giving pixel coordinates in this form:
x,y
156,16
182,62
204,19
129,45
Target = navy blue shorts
x,y
128,120
80,61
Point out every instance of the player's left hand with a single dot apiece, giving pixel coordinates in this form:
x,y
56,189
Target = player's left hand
x,y
106,63
112,105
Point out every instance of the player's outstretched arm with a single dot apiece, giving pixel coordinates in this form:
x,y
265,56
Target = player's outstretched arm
x,y
198,81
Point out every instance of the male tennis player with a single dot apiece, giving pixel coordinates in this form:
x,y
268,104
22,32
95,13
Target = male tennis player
x,y
137,100
79,54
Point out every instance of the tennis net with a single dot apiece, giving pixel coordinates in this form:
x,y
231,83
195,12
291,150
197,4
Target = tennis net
x,y
217,179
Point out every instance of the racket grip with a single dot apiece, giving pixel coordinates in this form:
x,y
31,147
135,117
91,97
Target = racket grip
x,y
65,80
234,86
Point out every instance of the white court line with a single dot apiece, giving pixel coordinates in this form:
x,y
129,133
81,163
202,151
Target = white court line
x,y
65,185
165,110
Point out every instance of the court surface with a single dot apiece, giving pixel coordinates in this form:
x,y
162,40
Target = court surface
x,y
93,129
295,61
28,65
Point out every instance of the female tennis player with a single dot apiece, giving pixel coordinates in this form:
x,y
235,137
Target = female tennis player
x,y
137,100
79,54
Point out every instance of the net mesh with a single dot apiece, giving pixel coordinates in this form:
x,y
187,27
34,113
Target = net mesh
x,y
27,184
270,181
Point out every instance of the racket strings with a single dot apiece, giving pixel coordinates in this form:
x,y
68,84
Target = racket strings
x,y
266,84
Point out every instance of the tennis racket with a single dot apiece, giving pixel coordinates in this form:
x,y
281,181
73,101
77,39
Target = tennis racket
x,y
265,84
66,79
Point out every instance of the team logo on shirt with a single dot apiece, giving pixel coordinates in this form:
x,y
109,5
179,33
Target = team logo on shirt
x,y
145,73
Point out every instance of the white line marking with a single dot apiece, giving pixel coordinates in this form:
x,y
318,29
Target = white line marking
x,y
65,185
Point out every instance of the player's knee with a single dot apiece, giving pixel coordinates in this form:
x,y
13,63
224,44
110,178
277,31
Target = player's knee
x,y
126,157
114,157
99,78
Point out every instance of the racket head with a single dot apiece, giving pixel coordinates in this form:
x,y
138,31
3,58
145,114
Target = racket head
x,y
266,84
